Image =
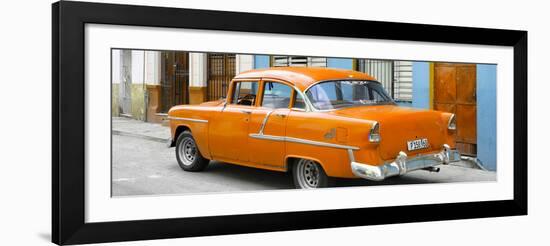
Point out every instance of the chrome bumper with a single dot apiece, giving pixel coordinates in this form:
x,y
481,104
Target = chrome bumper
x,y
402,164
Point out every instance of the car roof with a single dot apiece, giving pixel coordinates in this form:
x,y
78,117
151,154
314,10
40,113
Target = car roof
x,y
304,77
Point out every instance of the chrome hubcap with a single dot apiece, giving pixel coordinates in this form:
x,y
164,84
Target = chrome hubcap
x,y
188,151
308,173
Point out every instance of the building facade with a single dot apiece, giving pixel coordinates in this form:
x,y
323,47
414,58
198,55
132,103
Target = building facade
x,y
146,84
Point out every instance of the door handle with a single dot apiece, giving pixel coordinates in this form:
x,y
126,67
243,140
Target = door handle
x,y
246,111
280,115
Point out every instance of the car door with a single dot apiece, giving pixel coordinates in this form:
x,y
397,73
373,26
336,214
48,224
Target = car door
x,y
229,132
268,125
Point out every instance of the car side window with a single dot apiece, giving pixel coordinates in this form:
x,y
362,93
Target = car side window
x,y
276,95
244,93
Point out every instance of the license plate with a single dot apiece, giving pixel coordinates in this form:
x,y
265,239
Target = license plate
x,y
417,144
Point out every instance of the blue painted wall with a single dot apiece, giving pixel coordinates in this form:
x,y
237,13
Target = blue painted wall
x,y
421,85
486,115
340,63
261,61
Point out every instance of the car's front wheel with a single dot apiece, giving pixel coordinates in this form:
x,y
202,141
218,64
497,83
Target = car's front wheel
x,y
308,174
188,155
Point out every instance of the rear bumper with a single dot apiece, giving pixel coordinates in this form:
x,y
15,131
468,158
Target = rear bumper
x,y
402,164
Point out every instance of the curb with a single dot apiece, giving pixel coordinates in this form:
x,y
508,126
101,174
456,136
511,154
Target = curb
x,y
129,134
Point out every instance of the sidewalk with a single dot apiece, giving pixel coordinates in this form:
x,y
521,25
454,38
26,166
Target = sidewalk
x,y
136,128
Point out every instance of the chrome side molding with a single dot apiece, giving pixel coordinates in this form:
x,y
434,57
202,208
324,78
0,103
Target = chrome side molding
x,y
264,122
261,135
301,141
187,119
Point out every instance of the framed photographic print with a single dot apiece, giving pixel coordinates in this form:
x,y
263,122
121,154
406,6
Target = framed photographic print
x,y
175,122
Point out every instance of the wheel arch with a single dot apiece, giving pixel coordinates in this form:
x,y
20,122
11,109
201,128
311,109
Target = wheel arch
x,y
289,161
177,132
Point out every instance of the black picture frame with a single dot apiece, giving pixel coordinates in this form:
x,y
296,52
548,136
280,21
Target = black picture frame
x,y
68,110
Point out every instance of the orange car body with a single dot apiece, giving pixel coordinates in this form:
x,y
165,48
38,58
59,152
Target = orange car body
x,y
267,138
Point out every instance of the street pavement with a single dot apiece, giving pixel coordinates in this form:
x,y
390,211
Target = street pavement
x,y
144,165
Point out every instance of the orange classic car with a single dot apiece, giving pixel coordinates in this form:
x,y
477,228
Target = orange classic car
x,y
316,123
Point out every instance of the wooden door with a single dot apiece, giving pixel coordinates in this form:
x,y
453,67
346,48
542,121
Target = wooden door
x,y
221,70
455,92
181,78
174,79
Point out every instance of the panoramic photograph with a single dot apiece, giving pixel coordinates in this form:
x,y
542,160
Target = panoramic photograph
x,y
186,122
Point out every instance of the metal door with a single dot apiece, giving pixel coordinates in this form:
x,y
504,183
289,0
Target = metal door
x,y
455,92
221,70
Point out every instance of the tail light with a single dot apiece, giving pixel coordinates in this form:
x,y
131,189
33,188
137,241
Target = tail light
x,y
452,123
374,135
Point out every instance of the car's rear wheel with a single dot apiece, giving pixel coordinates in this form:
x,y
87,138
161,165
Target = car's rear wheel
x,y
308,174
188,155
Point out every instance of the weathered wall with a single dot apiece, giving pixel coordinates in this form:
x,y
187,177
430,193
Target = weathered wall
x,y
138,102
197,95
153,107
114,100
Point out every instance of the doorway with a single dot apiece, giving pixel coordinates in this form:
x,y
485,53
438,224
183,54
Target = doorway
x,y
174,79
455,92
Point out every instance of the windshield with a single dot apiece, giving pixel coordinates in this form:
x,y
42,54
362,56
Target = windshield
x,y
345,93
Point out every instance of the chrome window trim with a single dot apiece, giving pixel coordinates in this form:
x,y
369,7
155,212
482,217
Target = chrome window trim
x,y
187,119
298,109
309,107
286,83
241,81
301,141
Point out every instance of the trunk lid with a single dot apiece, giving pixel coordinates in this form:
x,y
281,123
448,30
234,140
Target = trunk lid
x,y
401,124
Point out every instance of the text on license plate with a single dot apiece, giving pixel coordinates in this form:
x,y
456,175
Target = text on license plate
x,y
417,144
